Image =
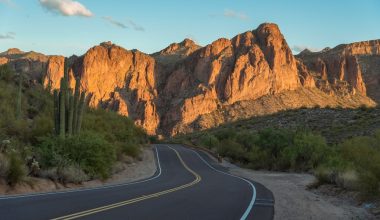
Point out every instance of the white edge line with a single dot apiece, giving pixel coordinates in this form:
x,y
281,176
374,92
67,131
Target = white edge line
x,y
88,189
250,206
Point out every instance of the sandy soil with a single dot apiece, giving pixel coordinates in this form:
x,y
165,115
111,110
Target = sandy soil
x,y
294,201
133,171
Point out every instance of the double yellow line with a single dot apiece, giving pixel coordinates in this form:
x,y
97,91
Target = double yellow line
x,y
197,179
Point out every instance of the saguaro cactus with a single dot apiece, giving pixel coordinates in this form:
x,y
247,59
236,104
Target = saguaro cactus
x,y
76,104
19,94
62,108
81,111
56,111
70,113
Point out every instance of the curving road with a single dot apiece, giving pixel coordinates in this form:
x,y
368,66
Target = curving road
x,y
187,185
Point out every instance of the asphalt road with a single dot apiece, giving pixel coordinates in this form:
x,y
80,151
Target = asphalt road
x,y
187,185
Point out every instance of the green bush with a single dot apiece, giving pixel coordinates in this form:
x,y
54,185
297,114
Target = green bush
x,y
118,130
6,73
89,150
209,141
4,166
274,141
247,139
227,133
363,153
131,149
306,152
42,126
17,170
231,149
258,158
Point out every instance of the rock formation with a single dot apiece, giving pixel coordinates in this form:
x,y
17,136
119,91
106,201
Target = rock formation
x,y
31,63
187,87
356,63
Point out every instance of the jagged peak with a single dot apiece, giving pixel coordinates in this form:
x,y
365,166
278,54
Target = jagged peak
x,y
306,51
268,27
107,44
12,51
184,48
187,42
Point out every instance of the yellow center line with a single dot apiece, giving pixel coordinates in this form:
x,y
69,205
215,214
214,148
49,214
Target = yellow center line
x,y
197,179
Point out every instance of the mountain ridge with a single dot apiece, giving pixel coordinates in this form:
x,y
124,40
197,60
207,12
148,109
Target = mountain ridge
x,y
180,88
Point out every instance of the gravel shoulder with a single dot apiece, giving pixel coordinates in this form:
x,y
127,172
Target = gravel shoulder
x,y
133,171
294,201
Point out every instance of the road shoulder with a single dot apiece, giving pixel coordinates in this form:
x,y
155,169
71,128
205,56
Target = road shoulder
x,y
294,201
133,171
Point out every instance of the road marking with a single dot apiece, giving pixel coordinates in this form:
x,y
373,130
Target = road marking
x,y
197,179
252,202
89,189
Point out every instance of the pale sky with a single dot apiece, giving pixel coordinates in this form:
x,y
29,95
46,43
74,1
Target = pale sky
x,y
72,26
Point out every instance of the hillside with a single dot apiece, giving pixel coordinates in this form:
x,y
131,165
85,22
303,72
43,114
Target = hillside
x,y
30,147
335,124
186,87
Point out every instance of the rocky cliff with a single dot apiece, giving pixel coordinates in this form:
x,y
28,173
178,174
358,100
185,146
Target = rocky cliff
x,y
357,64
31,63
186,87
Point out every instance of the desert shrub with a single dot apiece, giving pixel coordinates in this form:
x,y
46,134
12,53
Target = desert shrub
x,y
65,174
92,152
17,169
49,173
274,140
348,179
369,183
4,166
118,130
209,141
305,153
258,158
226,133
19,129
153,139
89,150
325,174
42,126
231,149
6,73
71,174
247,139
364,155
131,149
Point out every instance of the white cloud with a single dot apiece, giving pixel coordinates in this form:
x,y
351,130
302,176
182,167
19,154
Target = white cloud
x,y
130,24
66,7
135,26
8,3
110,20
9,35
234,14
300,48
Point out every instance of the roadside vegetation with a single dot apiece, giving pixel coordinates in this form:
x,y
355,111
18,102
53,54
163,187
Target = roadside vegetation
x,y
31,146
353,164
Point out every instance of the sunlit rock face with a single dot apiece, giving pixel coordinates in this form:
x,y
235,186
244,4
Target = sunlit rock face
x,y
31,63
356,63
122,80
186,87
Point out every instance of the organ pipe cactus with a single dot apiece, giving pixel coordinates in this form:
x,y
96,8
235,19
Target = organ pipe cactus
x,y
68,107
